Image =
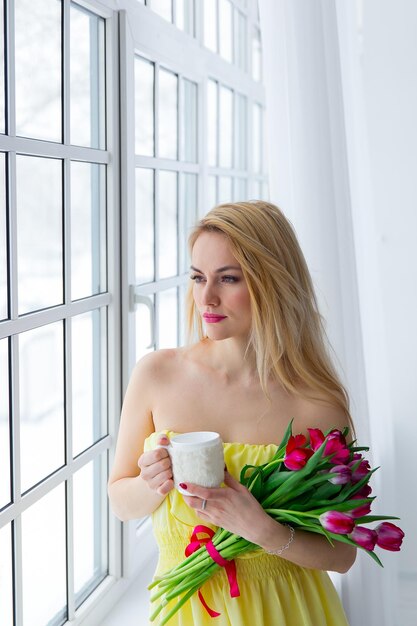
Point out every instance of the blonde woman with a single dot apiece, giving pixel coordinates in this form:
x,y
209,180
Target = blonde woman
x,y
260,360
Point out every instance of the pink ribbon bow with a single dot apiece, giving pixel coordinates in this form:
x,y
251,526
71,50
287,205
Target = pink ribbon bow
x,y
229,566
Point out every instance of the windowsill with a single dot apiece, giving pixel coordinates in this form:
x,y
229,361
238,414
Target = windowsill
x,y
133,607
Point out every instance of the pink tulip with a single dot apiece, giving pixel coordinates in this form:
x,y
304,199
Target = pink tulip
x,y
342,475
337,522
362,470
364,537
362,510
390,537
316,438
295,455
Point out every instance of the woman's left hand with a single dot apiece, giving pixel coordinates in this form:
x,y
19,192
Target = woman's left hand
x,y
233,508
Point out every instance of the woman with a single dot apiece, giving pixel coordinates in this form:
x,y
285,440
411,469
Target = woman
x,y
260,360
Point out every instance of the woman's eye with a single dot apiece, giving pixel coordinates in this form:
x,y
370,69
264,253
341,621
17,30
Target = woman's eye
x,y
229,279
197,278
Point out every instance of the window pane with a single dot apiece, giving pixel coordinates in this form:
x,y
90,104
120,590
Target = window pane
x,y
225,189
240,40
212,121
90,528
226,30
2,100
162,7
212,191
168,318
39,232
167,224
87,78
257,135
240,190
144,324
144,107
189,121
185,16
168,115
188,216
256,55
89,379
257,189
240,132
4,428
144,226
88,229
44,560
41,370
3,241
210,24
226,126
6,576
38,69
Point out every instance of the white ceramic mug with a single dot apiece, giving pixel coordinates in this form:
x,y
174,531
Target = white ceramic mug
x,y
198,458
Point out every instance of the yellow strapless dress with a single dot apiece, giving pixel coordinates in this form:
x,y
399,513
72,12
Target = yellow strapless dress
x,y
273,591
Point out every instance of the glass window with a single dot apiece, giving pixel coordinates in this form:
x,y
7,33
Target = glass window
x,y
88,229
90,528
212,192
144,226
226,127
168,115
2,98
5,492
212,121
256,55
226,30
41,397
240,40
44,560
185,18
39,232
188,214
144,320
144,107
6,576
38,69
89,379
240,192
241,125
87,78
162,7
3,240
210,24
167,224
257,139
225,189
168,318
189,121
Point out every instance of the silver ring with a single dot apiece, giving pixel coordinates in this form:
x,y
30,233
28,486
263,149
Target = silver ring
x,y
203,506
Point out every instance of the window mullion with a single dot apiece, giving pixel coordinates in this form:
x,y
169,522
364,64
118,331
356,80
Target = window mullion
x,y
66,71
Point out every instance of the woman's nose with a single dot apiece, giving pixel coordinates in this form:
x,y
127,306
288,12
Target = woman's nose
x,y
209,295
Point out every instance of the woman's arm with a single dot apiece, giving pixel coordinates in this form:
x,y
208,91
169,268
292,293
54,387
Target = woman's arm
x,y
139,481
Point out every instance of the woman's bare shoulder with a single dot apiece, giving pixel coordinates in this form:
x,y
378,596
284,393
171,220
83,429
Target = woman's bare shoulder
x,y
160,365
319,412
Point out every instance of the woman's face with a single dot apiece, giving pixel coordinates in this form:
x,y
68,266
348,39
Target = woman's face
x,y
220,291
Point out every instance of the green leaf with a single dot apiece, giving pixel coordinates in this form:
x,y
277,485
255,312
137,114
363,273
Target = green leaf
x,y
367,519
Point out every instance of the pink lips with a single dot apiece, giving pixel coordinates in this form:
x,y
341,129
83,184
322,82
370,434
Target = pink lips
x,y
212,318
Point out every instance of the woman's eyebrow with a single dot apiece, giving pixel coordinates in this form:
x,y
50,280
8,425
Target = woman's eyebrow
x,y
221,269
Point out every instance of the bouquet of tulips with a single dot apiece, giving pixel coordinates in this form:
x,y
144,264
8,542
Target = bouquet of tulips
x,y
320,487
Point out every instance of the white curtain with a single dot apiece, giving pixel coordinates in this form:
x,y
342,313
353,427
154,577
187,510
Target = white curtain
x,y
342,163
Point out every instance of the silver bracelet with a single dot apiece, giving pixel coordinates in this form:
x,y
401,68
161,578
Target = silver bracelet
x,y
280,550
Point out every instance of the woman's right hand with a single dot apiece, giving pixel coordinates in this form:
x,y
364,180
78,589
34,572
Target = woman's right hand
x,y
156,468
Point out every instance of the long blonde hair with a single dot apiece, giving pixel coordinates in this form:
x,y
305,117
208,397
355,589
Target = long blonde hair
x,y
287,335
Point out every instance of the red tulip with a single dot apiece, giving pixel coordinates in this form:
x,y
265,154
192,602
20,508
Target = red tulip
x,y
336,444
337,522
364,537
390,537
362,510
364,492
342,475
295,455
